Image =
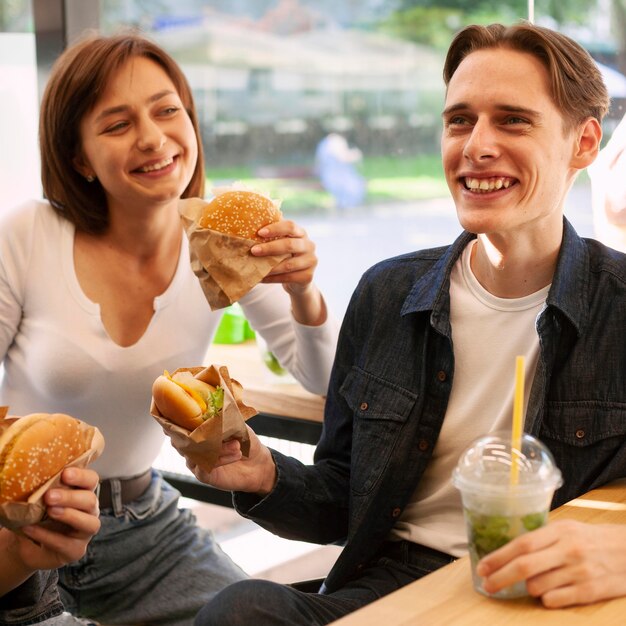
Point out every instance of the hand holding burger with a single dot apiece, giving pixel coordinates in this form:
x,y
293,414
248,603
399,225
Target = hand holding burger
x,y
36,447
199,409
74,509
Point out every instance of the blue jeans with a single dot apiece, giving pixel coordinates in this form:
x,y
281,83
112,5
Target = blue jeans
x,y
149,563
265,603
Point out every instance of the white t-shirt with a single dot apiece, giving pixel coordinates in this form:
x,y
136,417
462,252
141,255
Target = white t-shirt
x,y
487,334
58,357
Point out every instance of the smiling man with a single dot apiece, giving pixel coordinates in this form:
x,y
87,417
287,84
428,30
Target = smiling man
x,y
426,359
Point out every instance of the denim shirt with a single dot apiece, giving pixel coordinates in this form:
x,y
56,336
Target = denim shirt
x,y
391,384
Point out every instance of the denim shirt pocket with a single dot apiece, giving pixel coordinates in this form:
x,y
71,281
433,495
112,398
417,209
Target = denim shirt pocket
x,y
379,410
586,438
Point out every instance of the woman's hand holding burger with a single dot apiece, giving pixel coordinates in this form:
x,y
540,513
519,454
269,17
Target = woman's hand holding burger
x,y
296,271
75,513
254,216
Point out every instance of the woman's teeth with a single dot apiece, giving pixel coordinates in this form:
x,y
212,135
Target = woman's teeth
x,y
156,166
485,185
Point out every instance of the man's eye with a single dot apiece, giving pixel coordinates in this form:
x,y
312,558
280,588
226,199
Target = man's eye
x,y
516,120
457,120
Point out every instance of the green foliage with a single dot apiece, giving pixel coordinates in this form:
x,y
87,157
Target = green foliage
x,y
434,22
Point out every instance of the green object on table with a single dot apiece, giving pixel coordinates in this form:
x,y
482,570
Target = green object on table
x,y
272,363
234,327
248,331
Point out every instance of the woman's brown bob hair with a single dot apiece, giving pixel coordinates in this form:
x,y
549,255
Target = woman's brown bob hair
x,y
576,82
78,79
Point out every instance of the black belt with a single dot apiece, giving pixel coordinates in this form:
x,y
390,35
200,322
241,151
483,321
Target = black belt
x,y
130,489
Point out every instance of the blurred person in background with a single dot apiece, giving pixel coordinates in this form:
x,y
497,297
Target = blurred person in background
x,y
336,165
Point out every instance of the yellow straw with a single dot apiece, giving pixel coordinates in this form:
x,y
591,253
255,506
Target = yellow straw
x,y
518,411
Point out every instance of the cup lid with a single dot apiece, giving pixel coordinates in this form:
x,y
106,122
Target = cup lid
x,y
487,462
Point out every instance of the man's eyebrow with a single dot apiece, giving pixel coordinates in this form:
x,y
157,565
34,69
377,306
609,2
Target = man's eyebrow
x,y
507,108
124,107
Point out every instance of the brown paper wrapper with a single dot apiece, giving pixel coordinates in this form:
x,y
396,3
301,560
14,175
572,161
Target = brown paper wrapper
x,y
223,264
14,515
203,445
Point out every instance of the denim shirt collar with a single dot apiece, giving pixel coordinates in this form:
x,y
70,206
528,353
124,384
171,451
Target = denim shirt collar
x,y
568,293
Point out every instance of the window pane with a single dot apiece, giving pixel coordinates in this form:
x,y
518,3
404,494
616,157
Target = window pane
x,y
19,165
285,87
16,16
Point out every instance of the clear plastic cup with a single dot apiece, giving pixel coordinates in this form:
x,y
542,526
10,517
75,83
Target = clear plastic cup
x,y
498,508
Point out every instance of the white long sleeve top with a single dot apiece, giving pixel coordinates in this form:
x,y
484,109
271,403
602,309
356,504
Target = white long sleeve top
x,y
58,356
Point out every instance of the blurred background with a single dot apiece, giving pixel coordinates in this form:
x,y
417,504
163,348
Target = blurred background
x,y
332,106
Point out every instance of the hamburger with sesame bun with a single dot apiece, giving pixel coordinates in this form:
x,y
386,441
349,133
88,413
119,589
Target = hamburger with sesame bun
x,y
36,447
240,213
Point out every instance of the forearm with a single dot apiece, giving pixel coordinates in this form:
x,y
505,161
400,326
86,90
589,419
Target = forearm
x,y
307,304
13,571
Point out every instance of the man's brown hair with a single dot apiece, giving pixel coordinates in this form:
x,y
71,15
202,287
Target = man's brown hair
x,y
576,83
78,79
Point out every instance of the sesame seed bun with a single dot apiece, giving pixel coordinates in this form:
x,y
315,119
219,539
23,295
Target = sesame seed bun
x,y
35,448
240,213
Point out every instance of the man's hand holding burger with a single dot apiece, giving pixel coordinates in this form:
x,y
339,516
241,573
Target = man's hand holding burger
x,y
255,473
45,547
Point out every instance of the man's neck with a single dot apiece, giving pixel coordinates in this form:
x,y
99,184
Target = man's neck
x,y
513,268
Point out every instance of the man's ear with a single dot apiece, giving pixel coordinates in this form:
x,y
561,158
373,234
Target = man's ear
x,y
587,144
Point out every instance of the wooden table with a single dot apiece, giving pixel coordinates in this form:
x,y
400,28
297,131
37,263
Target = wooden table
x,y
446,597
286,410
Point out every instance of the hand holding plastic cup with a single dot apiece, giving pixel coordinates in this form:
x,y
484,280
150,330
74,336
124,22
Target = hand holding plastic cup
x,y
496,508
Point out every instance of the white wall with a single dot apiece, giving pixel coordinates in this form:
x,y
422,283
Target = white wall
x,y
19,106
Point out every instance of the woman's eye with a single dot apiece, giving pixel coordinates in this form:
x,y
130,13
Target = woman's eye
x,y
170,110
114,128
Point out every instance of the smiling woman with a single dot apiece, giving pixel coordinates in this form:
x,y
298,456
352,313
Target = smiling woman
x,y
164,98
121,304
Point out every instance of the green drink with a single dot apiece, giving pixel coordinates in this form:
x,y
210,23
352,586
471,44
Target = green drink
x,y
498,509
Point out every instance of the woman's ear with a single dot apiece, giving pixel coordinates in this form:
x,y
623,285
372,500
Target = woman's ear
x,y
83,168
587,145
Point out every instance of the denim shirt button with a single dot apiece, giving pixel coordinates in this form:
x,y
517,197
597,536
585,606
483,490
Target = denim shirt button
x,y
422,445
580,433
396,512
363,406
441,376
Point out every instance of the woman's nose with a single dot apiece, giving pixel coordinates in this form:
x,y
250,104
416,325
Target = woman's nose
x,y
481,143
151,136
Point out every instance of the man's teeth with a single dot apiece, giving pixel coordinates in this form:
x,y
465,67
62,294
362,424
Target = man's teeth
x,y
482,185
157,166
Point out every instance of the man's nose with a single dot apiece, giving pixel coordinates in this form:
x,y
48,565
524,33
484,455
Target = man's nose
x,y
482,142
